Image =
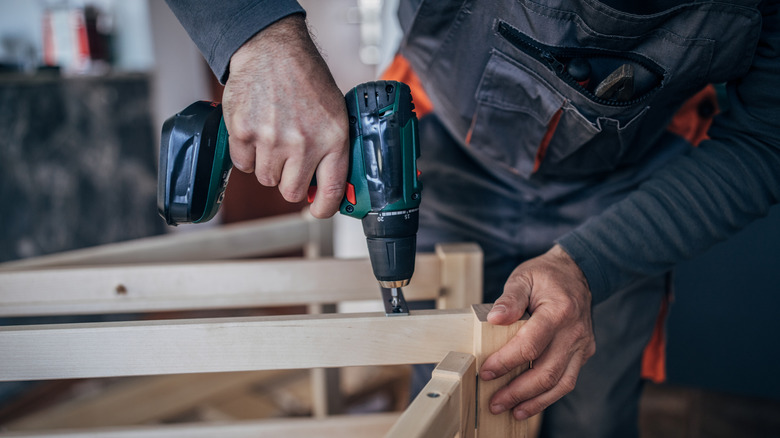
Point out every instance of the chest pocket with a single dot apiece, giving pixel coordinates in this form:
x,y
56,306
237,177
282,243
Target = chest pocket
x,y
535,116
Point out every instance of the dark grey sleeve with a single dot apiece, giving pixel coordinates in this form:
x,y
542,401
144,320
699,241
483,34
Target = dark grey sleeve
x,y
702,198
219,28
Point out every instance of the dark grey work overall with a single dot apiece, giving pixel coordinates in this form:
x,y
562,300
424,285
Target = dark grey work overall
x,y
495,72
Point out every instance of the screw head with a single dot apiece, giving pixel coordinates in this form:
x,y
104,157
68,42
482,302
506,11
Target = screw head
x,y
350,209
433,395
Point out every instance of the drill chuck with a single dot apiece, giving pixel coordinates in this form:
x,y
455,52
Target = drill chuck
x,y
391,238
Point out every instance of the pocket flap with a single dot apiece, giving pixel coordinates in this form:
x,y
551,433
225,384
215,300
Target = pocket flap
x,y
509,85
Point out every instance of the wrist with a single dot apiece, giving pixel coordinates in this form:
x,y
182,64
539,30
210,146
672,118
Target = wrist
x,y
561,257
285,36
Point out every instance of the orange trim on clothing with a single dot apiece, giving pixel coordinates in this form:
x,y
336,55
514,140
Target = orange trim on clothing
x,y
400,70
691,122
694,118
654,356
540,153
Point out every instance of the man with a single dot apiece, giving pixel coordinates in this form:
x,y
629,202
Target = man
x,y
546,143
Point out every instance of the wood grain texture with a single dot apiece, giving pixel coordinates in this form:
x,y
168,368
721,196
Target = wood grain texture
x,y
230,344
437,412
489,338
251,238
144,400
201,285
364,426
461,274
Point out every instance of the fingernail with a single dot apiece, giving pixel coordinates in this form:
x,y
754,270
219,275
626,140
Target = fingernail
x,y
497,409
498,308
487,375
520,415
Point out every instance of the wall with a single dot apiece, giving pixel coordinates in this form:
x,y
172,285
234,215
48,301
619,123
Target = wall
x,y
22,20
723,326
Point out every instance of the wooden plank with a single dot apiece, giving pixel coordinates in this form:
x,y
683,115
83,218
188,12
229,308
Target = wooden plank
x,y
461,273
325,382
143,400
230,344
244,239
364,426
319,242
437,412
489,338
465,370
246,405
201,285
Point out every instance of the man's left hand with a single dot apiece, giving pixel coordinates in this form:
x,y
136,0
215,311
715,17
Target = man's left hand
x,y
558,337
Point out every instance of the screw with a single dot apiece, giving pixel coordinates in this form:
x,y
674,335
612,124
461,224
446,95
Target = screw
x,y
389,88
433,394
415,196
352,120
121,289
350,209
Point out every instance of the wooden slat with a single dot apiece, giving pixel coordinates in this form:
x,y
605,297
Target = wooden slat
x,y
143,400
230,344
201,285
461,275
251,238
488,339
364,426
437,412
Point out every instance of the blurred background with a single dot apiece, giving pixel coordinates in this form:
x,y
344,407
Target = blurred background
x,y
85,86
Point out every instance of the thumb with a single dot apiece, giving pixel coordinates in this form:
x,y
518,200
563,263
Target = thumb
x,y
512,304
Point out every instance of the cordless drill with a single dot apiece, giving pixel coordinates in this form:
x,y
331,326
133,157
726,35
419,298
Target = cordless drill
x,y
383,189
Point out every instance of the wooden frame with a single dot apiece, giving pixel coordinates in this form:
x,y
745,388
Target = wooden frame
x,y
108,280
458,338
233,344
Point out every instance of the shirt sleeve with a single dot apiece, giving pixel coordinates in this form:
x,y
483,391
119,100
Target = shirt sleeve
x,y
219,28
703,197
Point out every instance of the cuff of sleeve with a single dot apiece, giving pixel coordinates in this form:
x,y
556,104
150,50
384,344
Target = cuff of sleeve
x,y
580,252
247,22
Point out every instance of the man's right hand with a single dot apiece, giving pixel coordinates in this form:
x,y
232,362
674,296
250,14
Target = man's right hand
x,y
286,116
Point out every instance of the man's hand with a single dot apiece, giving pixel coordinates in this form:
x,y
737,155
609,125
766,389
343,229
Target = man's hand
x,y
558,337
286,116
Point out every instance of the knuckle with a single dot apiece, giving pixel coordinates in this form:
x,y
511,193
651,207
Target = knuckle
x,y
263,136
294,140
508,299
332,191
514,398
564,313
519,280
504,365
567,383
548,379
242,133
528,351
293,194
580,331
590,350
336,135
243,165
266,177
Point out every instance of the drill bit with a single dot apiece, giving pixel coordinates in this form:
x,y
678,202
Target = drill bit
x,y
395,304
